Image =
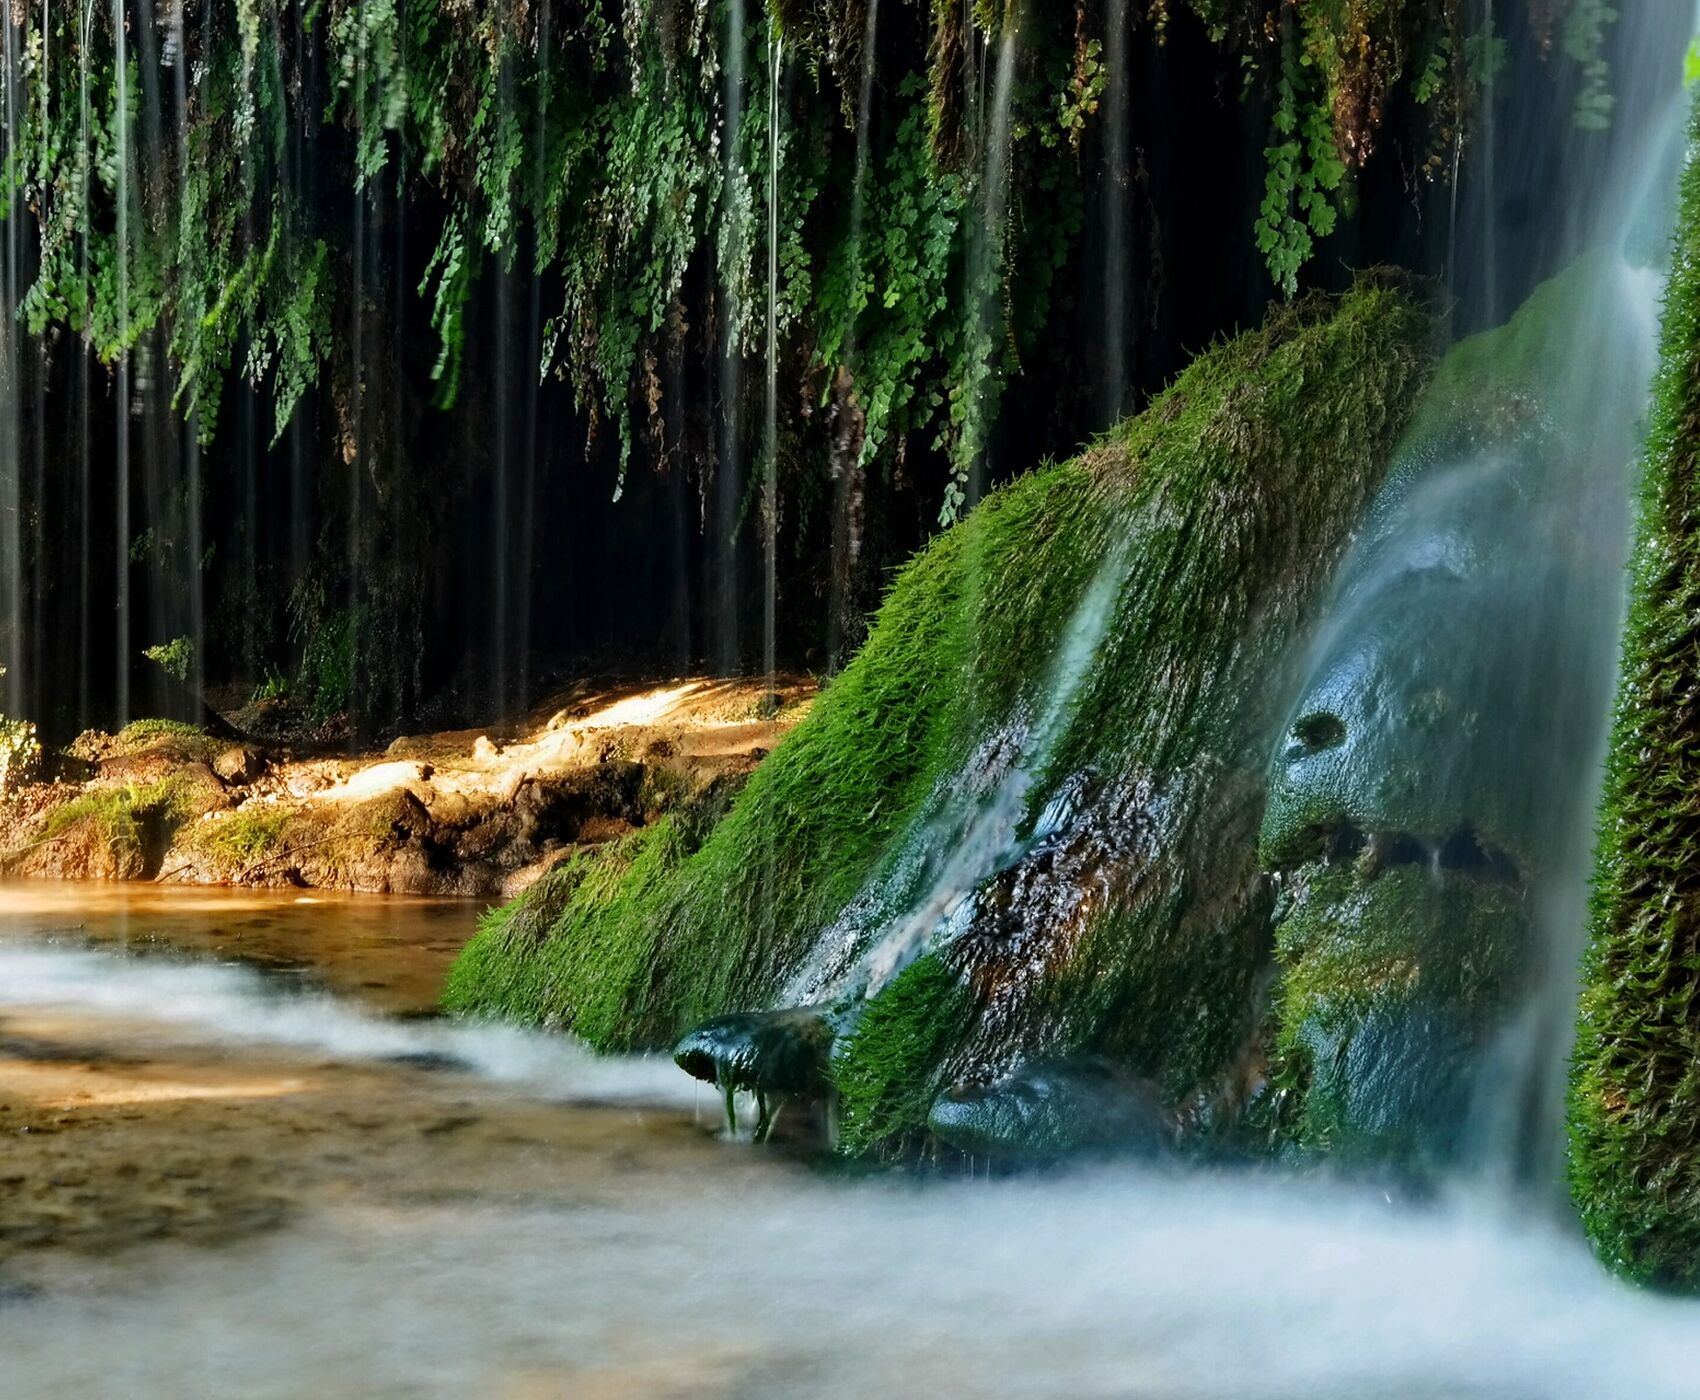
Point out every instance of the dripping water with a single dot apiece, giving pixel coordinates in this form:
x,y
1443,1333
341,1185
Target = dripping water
x,y
501,554
121,406
770,446
770,443
534,338
729,484
847,466
995,177
13,685
191,430
1116,210
1493,579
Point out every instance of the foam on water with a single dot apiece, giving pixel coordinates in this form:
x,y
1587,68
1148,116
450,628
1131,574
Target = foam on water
x,y
238,1005
1119,1284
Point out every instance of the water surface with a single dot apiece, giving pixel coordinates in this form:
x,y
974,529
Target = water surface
x,y
229,1166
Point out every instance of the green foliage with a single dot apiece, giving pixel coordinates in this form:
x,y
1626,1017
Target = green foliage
x,y
145,733
20,755
242,839
176,657
1634,1155
1305,171
126,816
325,681
274,685
595,143
1585,23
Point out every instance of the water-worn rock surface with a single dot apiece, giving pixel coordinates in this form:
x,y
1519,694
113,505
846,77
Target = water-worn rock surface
x,y
1427,803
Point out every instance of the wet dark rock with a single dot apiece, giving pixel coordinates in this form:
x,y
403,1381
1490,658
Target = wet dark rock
x,y
1424,799
1048,1111
779,1054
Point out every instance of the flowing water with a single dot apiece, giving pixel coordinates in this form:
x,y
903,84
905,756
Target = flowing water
x,y
1489,584
234,1166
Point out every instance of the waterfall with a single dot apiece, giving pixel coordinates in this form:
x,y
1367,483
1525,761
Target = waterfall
x,y
988,311
770,442
14,681
1457,707
191,430
1116,221
729,477
121,406
847,466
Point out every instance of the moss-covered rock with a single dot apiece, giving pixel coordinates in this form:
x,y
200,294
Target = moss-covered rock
x,y
1425,799
1395,986
1635,1101
1023,822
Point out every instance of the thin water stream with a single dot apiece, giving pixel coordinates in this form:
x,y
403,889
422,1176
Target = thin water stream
x,y
233,1164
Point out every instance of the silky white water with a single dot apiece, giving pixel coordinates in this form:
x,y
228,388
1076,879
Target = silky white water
x,y
716,1274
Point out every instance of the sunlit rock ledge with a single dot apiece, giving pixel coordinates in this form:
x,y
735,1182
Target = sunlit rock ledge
x,y
477,812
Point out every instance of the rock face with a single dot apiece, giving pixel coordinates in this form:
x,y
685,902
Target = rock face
x,y
1429,797
1022,825
1045,1112
1634,1121
450,814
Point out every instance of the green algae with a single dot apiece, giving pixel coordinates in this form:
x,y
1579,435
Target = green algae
x,y
1635,1090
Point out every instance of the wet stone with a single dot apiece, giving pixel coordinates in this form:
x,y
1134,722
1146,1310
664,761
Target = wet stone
x,y
777,1053
1048,1111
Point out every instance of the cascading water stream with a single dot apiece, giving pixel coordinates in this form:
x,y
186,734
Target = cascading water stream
x,y
847,467
988,254
770,437
121,397
193,508
1116,221
13,684
729,474
1460,683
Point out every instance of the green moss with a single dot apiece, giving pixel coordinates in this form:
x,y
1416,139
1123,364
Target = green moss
x,y
132,819
241,839
1394,984
147,733
1199,535
1635,1143
888,1070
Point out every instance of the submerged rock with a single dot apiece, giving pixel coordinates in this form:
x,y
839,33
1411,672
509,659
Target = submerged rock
x,y
1049,1111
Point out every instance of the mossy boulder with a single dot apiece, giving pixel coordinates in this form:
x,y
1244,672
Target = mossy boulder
x,y
1022,824
776,1054
1429,794
1635,1094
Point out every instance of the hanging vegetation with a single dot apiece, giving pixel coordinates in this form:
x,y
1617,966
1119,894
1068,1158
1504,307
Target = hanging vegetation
x,y
179,160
